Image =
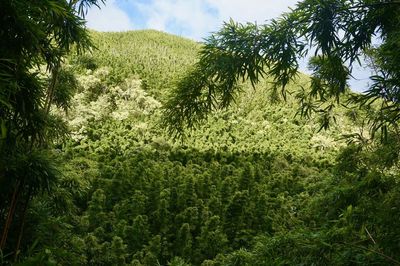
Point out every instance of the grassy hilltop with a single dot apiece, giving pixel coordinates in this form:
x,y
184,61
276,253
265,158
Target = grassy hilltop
x,y
254,185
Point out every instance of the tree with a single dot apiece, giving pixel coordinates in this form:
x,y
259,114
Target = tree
x,y
339,33
33,35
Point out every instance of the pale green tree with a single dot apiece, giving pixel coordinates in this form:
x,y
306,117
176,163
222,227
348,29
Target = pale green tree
x,y
335,34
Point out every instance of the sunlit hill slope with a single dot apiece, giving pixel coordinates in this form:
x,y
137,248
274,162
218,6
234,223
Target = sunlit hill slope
x,y
253,185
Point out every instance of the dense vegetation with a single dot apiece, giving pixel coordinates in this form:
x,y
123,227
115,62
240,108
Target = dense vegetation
x,y
333,35
35,36
89,176
255,185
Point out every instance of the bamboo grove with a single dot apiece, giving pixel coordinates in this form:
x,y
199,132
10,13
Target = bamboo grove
x,y
255,184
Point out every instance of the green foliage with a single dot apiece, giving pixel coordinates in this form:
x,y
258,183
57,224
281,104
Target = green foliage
x,y
339,33
154,57
255,185
34,35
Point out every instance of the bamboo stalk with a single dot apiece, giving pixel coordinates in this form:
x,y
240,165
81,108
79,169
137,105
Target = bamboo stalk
x,y
10,215
21,230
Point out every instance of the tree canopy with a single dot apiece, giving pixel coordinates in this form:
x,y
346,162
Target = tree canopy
x,y
335,34
34,35
253,186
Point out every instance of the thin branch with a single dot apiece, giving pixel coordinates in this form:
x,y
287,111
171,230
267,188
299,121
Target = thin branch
x,y
370,236
396,262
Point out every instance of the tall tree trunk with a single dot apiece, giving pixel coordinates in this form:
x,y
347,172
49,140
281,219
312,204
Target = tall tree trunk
x,y
22,224
52,86
10,215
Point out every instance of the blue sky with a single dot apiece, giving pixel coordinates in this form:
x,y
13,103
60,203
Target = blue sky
x,y
194,19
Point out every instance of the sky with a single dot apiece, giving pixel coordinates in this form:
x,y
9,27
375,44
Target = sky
x,y
194,19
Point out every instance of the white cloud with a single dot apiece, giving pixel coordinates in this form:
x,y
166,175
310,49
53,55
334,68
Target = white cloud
x,y
183,17
109,18
190,18
197,18
251,10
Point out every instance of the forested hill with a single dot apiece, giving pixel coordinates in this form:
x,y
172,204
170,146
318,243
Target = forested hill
x,y
154,57
254,185
130,75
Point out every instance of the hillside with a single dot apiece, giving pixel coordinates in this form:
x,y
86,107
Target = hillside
x,y
255,185
138,69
